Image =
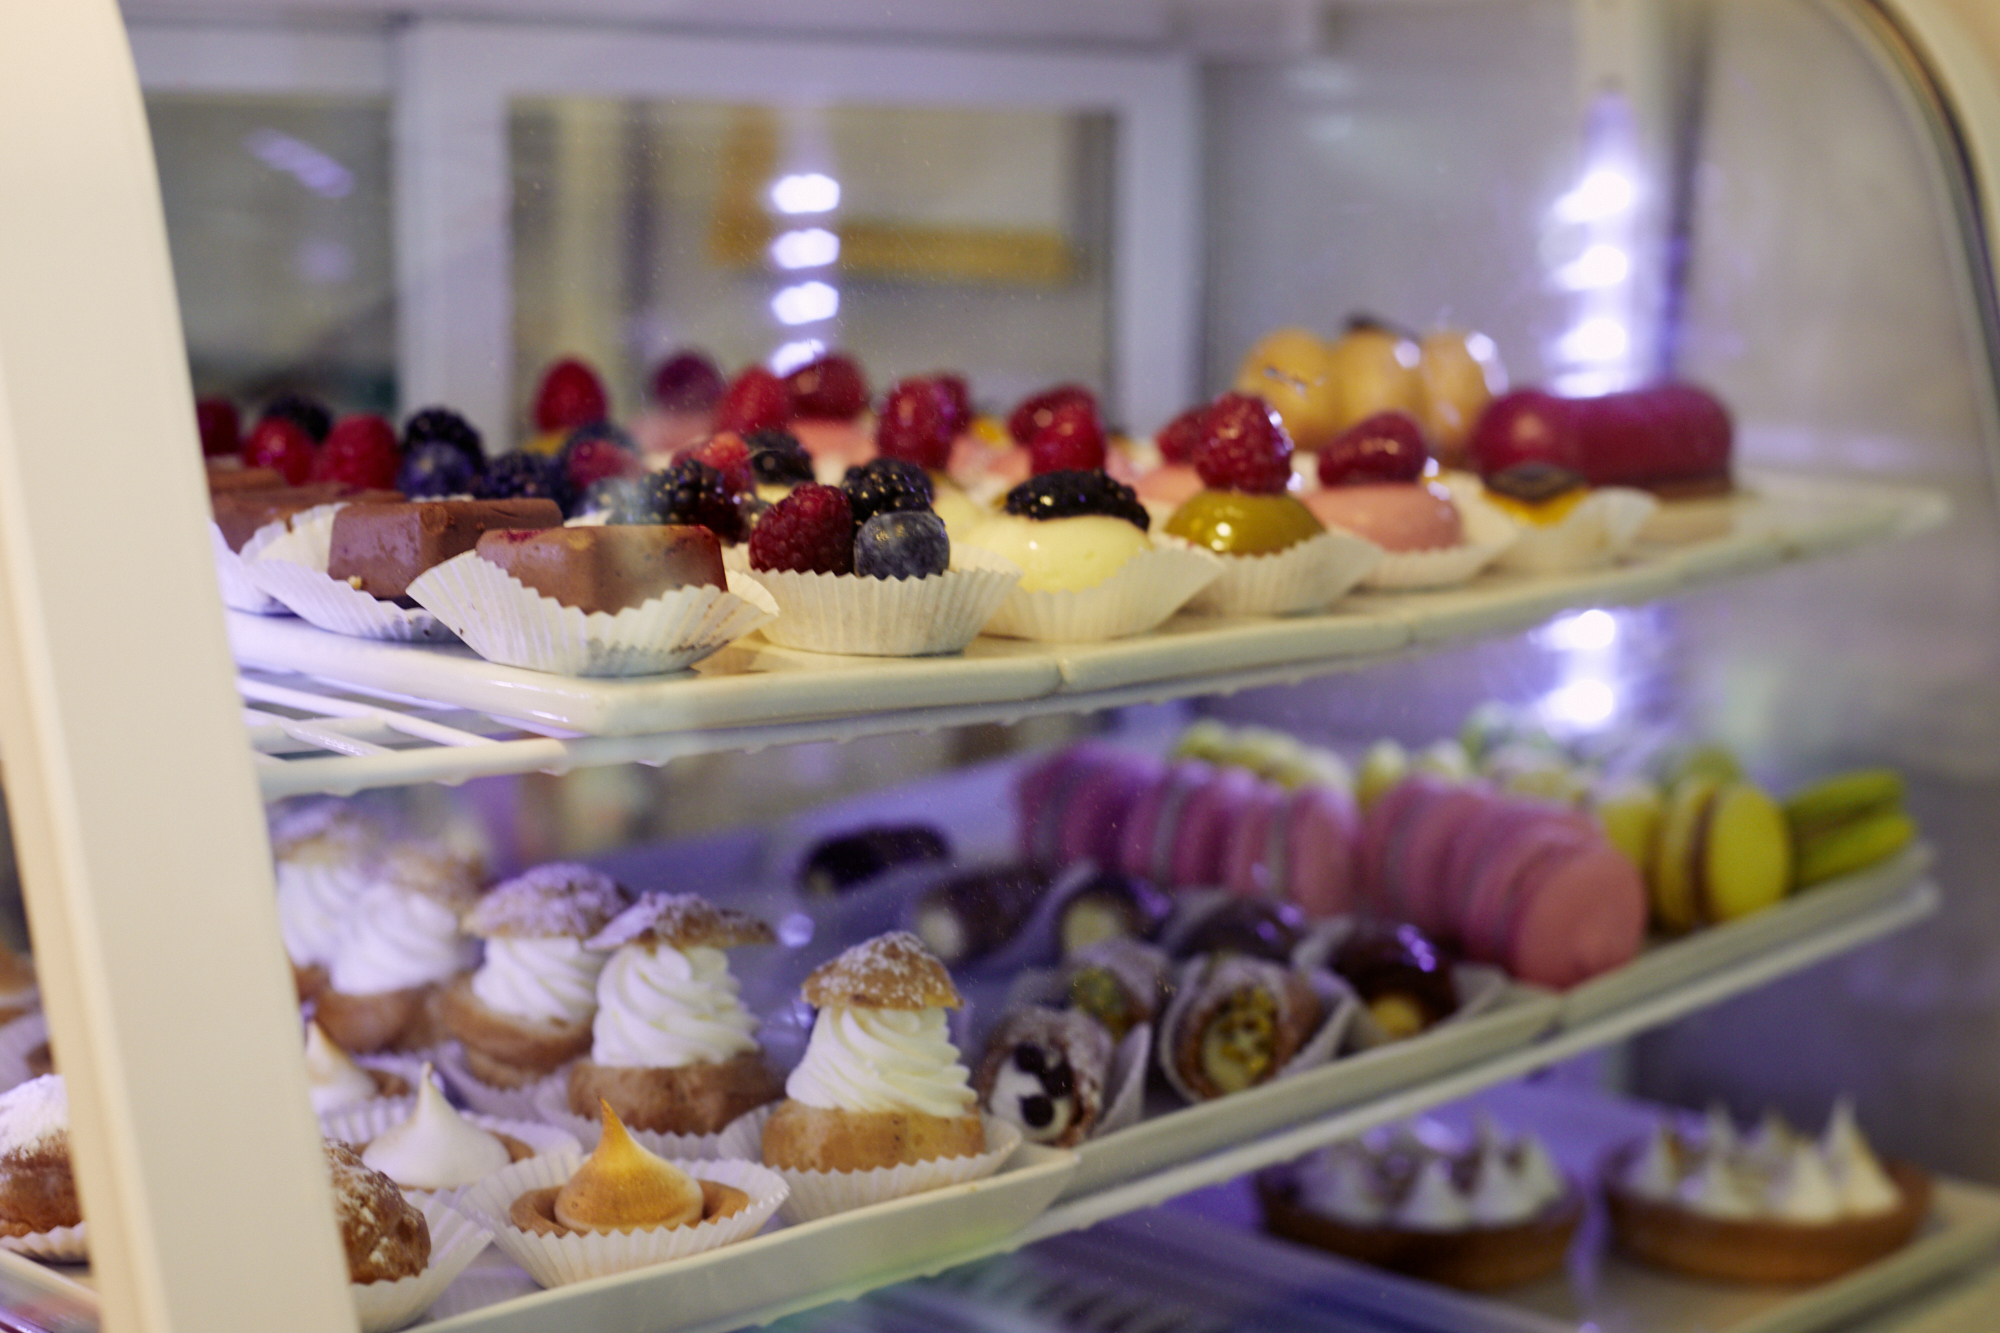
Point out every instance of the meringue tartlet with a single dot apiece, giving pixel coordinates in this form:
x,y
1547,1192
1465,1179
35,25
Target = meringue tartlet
x,y
622,1187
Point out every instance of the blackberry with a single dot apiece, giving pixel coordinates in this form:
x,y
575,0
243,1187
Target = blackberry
x,y
902,545
446,427
1067,494
521,476
436,468
688,491
778,459
308,414
886,485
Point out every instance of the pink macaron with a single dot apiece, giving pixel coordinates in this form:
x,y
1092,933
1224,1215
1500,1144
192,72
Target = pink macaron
x,y
1317,864
1146,849
1093,825
1426,853
1378,826
1201,842
1583,915
1485,926
1246,862
1041,795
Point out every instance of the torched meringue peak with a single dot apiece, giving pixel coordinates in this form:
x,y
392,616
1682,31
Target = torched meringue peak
x,y
435,1148
623,1187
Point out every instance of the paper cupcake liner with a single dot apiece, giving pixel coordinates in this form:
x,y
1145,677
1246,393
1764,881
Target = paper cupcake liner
x,y
1335,996
555,1261
842,613
292,568
477,1093
231,567
817,1194
1139,596
505,621
1488,533
1603,527
1306,577
17,1039
551,1101
63,1245
456,1241
358,1125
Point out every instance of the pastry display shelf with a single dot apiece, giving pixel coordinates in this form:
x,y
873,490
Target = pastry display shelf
x,y
337,715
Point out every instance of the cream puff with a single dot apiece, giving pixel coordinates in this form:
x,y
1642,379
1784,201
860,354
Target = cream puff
x,y
673,1050
384,1234
37,1189
324,858
402,942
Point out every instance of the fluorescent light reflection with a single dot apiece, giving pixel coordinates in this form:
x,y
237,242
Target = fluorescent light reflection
x,y
1603,193
792,355
1590,631
1599,266
1582,703
806,303
301,161
805,192
1602,338
809,247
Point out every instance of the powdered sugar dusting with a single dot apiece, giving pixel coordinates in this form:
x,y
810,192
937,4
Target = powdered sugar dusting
x,y
34,1117
684,921
560,898
892,971
449,878
333,823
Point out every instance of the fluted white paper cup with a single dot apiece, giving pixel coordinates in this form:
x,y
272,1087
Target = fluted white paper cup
x,y
292,568
869,617
816,1194
505,621
1143,592
1488,535
551,1100
1602,527
477,1093
1338,1006
555,1261
238,591
363,1124
1306,577
62,1245
456,1241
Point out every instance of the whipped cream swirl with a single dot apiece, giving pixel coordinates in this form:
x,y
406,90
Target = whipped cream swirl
x,y
314,897
436,1148
552,979
396,939
882,1060
659,1007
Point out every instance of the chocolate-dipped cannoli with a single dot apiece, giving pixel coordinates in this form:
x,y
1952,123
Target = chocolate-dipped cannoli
x,y
1121,983
1046,1070
1244,1019
1399,975
970,915
838,864
1255,927
1108,905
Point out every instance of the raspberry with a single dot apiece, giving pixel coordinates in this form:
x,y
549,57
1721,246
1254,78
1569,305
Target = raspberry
x,y
361,451
886,485
1244,447
570,395
594,452
1388,446
953,387
831,388
308,414
902,545
688,491
520,476
433,469
729,454
447,427
1068,494
281,443
1071,442
916,424
758,400
221,432
777,458
1037,411
1179,438
687,382
810,531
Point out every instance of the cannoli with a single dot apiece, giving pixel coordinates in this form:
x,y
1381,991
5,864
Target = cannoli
x,y
1245,1018
968,916
1255,927
837,865
1399,975
1110,905
1121,983
1046,1071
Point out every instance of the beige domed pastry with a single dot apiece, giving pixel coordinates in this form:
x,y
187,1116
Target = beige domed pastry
x,y
384,1234
37,1190
881,1083
435,1148
333,1080
623,1187
401,943
673,1050
527,1010
324,857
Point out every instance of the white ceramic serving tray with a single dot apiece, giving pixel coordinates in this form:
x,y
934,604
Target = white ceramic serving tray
x,y
1669,964
1184,1133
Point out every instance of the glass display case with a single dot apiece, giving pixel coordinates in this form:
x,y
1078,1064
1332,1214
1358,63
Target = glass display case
x,y
1782,208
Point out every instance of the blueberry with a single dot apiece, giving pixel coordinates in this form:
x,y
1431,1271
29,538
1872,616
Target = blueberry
x,y
435,468
443,425
904,544
616,497
778,459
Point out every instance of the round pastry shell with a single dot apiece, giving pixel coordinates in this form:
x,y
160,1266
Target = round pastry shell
x,y
555,1261
505,621
1310,576
1335,997
1138,596
456,1241
358,1125
551,1102
844,613
292,568
817,1194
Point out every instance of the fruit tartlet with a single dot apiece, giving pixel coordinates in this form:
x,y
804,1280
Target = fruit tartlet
x,y
565,1217
39,1211
1277,558
867,568
880,1106
673,1051
402,943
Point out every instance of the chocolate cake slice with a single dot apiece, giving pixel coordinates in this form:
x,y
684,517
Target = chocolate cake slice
x,y
608,568
380,548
